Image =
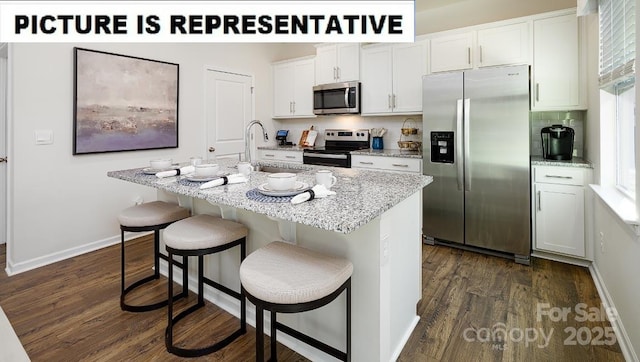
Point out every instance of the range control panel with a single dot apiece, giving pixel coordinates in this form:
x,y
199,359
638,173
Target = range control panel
x,y
346,135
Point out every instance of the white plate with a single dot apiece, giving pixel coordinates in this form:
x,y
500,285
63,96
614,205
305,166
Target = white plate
x,y
153,171
195,178
265,190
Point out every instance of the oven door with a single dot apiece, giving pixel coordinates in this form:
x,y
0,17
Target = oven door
x,y
327,159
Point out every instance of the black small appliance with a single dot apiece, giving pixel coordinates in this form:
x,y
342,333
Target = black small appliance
x,y
557,142
281,137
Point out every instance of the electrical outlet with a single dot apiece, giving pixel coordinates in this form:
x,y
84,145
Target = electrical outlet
x,y
602,242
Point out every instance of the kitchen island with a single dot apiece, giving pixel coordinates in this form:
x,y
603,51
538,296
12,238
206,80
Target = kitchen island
x,y
374,220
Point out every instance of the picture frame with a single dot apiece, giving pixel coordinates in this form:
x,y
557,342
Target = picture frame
x,y
123,103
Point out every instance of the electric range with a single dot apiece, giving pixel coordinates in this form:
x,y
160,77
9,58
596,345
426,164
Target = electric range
x,y
337,149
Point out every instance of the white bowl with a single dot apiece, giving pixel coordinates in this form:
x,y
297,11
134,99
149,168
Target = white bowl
x,y
207,169
282,181
161,164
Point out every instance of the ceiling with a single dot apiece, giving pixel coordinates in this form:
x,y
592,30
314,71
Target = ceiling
x,y
422,5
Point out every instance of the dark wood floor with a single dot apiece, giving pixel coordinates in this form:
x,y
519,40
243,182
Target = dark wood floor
x,y
70,311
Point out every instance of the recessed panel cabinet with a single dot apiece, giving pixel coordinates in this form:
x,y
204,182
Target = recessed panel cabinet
x,y
558,64
391,77
337,63
504,45
293,83
451,52
558,209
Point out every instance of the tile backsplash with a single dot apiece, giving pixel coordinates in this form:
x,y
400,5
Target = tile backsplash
x,y
573,119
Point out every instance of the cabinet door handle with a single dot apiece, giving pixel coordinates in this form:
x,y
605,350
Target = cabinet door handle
x,y
338,72
537,92
294,107
399,165
389,101
269,155
290,156
290,107
469,55
393,101
539,202
335,74
480,54
557,176
366,163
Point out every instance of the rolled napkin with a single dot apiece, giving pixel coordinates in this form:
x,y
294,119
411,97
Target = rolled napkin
x,y
235,178
316,192
179,171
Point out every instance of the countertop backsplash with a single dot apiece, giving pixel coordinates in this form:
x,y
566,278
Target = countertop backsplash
x,y
573,119
393,124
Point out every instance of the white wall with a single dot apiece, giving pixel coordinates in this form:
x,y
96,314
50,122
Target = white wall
x,y
64,203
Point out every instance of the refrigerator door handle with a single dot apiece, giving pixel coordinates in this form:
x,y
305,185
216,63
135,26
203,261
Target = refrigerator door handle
x,y
467,154
459,136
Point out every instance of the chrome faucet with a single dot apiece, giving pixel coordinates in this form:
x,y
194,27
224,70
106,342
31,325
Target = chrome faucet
x,y
247,151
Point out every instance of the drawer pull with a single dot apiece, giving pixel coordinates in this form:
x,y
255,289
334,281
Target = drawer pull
x,y
366,163
562,177
290,156
269,155
539,201
399,165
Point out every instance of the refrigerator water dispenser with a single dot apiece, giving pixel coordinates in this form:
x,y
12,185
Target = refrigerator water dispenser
x,y
442,147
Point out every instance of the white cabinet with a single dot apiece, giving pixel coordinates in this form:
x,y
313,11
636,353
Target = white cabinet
x,y
337,63
558,64
504,45
391,77
485,47
558,209
396,164
281,155
451,52
293,83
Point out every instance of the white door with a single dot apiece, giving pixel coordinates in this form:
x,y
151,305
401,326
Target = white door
x,y
3,143
228,109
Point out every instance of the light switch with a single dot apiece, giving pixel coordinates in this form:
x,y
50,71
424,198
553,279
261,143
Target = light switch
x,y
44,136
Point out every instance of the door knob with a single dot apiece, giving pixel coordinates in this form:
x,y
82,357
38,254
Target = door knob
x,y
3,159
212,149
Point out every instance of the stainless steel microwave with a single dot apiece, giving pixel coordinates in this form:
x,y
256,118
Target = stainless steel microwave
x,y
336,98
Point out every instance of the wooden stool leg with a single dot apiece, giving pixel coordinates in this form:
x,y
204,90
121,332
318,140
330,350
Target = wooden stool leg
x,y
274,343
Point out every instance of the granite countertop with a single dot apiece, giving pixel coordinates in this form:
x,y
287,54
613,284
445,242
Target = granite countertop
x,y
361,195
366,151
283,148
574,162
388,153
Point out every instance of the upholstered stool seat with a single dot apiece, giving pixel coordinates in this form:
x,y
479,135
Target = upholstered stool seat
x,y
198,236
152,216
286,278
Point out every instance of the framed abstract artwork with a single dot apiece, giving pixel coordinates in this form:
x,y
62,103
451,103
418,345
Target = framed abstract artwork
x,y
123,103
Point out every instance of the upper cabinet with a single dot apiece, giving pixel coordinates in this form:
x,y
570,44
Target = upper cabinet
x,y
486,47
558,64
451,52
391,77
504,45
293,83
337,63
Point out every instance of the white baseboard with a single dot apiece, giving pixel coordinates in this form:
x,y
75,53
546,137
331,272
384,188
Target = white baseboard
x,y
405,339
21,267
607,302
561,258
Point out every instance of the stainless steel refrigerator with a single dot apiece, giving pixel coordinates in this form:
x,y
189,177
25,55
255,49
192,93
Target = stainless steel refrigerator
x,y
476,146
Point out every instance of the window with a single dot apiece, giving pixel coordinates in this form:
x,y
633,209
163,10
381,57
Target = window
x,y
617,77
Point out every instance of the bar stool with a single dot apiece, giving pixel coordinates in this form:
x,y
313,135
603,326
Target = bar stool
x,y
151,216
285,278
198,236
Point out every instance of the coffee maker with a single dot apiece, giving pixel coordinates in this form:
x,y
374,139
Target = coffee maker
x,y
557,142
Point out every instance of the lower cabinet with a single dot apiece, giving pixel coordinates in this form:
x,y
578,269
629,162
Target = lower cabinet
x,y
397,164
280,155
558,209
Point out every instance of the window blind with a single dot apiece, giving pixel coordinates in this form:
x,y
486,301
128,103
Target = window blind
x,y
617,40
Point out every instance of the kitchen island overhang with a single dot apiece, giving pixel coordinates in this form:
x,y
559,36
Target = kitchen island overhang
x,y
374,220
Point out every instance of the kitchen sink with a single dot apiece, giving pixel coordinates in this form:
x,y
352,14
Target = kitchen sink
x,y
272,169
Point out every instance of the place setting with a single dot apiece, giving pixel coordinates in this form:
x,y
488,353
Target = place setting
x,y
284,187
